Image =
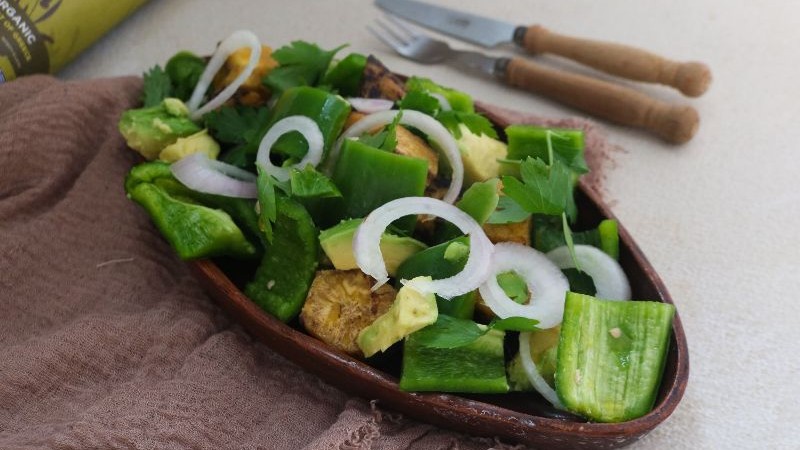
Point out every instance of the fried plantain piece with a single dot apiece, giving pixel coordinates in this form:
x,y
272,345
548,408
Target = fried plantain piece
x,y
380,82
519,232
339,305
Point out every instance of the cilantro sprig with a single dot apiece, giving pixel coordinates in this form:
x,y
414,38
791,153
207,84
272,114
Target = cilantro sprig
x,y
421,100
157,86
236,124
301,64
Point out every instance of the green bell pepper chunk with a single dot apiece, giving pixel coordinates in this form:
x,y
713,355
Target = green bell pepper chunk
x,y
479,201
328,110
368,178
184,70
241,210
442,261
347,74
459,101
282,280
611,356
531,141
194,231
478,367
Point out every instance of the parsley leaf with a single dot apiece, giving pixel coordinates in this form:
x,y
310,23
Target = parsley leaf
x,y
236,125
419,101
385,139
301,64
514,324
507,211
543,189
157,86
308,183
476,123
450,332
267,202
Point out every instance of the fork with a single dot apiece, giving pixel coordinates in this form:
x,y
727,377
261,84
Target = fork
x,y
673,123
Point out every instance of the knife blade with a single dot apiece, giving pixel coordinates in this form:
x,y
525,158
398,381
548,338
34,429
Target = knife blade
x,y
691,78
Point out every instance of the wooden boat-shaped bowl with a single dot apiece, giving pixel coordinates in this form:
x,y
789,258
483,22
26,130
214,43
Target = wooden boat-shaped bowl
x,y
522,418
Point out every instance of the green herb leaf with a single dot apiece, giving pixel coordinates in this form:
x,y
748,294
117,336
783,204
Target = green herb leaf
x,y
385,139
184,70
568,240
522,324
267,202
301,64
308,183
157,86
476,123
543,189
449,332
236,125
508,211
419,101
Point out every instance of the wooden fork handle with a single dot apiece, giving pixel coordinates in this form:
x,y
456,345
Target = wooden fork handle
x,y
691,78
674,123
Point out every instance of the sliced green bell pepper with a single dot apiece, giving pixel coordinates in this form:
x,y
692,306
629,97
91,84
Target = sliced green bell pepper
x,y
611,356
478,367
531,141
347,74
194,231
328,110
282,280
368,177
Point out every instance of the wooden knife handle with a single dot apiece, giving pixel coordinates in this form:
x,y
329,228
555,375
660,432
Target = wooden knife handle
x,y
674,123
691,78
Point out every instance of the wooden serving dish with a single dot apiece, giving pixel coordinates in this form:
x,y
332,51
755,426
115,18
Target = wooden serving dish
x,y
522,417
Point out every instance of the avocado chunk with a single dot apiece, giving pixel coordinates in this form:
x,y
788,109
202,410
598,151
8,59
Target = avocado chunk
x,y
480,155
337,243
442,261
411,311
478,367
611,356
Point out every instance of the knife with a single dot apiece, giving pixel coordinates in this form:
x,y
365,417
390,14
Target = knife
x,y
691,78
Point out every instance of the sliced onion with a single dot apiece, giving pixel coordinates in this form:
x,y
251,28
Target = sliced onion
x,y
609,278
201,174
423,122
545,281
443,103
237,40
370,105
303,125
367,250
533,374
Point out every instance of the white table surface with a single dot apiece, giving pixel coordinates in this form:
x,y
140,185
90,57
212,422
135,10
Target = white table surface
x,y
717,217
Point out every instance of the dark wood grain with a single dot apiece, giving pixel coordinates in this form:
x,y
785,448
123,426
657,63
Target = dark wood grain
x,y
521,418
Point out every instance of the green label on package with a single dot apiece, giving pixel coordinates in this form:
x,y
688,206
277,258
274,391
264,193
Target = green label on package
x,y
40,36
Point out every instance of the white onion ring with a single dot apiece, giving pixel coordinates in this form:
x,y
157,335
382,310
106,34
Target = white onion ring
x,y
424,123
444,105
367,250
201,174
237,40
370,105
609,278
533,374
545,281
305,126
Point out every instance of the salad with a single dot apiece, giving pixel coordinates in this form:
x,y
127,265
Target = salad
x,y
380,215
